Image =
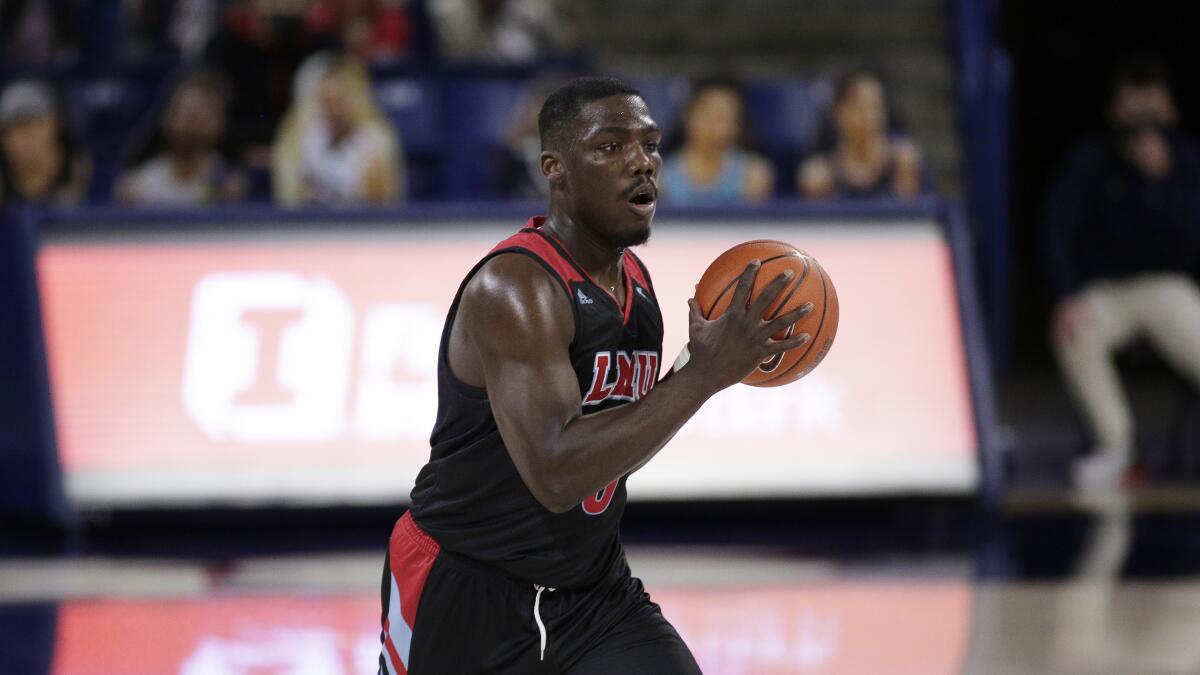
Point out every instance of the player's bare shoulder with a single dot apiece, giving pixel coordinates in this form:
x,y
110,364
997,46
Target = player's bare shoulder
x,y
514,292
510,305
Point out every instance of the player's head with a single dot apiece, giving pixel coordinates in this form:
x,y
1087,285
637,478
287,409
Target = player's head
x,y
600,156
1141,96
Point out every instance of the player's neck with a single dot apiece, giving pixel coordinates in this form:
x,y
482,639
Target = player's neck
x,y
597,256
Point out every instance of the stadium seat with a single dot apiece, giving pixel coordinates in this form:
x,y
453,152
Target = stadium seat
x,y
665,97
111,111
414,109
479,112
785,118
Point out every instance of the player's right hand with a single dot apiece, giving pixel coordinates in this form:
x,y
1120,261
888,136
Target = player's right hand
x,y
731,346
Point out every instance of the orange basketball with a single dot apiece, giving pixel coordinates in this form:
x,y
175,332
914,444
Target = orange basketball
x,y
809,283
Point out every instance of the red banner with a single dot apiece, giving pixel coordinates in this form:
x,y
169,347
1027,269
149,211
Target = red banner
x,y
821,629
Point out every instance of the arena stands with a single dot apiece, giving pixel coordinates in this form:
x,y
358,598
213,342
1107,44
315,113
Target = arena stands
x,y
213,406
445,111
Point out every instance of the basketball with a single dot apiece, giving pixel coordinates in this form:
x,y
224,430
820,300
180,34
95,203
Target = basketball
x,y
810,283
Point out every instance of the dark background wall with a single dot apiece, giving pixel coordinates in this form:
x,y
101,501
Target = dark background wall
x,y
1063,54
30,484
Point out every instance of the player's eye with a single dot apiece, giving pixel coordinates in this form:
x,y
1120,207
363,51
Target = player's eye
x,y
610,147
652,146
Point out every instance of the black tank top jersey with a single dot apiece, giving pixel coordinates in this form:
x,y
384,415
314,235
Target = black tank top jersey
x,y
469,496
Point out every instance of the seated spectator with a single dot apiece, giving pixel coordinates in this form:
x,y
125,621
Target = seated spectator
x,y
189,171
372,30
38,161
39,32
258,46
334,146
714,166
867,159
1122,237
169,28
503,31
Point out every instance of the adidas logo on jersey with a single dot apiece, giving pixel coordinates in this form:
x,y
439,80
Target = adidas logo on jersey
x,y
583,299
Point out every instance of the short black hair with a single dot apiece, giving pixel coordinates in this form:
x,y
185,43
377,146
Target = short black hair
x,y
564,104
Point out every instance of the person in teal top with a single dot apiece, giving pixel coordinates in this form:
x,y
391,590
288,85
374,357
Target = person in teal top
x,y
713,167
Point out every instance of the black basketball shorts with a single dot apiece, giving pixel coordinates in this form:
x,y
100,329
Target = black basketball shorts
x,y
444,614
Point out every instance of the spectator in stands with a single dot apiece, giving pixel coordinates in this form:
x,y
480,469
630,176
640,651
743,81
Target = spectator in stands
x,y
169,28
867,158
258,46
519,164
1122,235
190,170
39,32
373,30
714,165
334,146
38,161
503,31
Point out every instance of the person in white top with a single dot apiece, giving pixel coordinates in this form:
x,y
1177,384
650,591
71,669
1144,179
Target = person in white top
x,y
190,170
334,147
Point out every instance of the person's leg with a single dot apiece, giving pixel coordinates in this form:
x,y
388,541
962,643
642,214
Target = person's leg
x,y
1172,310
1086,361
644,643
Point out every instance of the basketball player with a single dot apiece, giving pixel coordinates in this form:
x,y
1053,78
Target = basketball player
x,y
548,398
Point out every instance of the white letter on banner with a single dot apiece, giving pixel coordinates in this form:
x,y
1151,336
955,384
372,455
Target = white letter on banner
x,y
397,390
313,651
268,357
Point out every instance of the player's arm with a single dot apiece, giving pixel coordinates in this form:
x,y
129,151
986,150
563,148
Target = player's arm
x,y
520,325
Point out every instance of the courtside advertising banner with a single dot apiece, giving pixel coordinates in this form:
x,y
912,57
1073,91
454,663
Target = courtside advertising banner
x,y
301,366
838,628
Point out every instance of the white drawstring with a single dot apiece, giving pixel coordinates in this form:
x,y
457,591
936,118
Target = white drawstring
x,y
537,617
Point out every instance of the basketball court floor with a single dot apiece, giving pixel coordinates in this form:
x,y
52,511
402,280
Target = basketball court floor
x,y
748,611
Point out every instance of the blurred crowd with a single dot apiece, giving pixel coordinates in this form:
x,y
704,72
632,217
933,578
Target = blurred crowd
x,y
304,102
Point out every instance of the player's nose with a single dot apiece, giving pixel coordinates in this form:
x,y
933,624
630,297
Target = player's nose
x,y
641,162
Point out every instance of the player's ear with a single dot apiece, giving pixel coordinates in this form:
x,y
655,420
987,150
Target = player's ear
x,y
552,167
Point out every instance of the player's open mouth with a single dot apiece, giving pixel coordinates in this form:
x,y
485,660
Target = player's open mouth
x,y
642,202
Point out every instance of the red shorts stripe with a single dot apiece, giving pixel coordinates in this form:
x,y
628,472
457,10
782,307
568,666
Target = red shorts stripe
x,y
412,553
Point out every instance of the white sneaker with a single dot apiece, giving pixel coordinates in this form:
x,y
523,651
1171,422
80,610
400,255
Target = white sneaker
x,y
1098,473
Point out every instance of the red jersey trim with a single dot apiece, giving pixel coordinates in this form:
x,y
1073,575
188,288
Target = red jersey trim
x,y
537,244
557,257
634,266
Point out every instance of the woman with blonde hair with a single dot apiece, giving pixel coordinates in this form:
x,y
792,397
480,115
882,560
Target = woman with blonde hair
x,y
334,147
